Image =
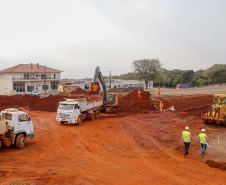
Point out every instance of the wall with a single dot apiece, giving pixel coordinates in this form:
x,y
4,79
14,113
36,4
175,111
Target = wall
x,y
6,82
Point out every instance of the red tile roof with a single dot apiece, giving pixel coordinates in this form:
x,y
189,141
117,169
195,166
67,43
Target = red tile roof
x,y
29,68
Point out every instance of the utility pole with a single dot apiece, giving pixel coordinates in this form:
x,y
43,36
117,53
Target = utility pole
x,y
45,80
110,78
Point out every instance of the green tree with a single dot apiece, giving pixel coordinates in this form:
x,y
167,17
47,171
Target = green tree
x,y
187,76
202,82
216,73
146,69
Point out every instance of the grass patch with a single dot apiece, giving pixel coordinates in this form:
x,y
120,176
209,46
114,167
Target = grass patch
x,y
219,93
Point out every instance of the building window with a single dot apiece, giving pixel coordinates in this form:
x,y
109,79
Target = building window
x,y
19,86
43,76
54,85
17,76
45,87
27,76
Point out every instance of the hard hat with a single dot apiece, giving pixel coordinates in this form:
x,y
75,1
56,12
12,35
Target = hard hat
x,y
203,130
187,128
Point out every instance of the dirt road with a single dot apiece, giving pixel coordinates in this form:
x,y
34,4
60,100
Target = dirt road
x,y
116,149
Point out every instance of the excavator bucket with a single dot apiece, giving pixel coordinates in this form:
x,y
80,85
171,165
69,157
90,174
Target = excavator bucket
x,y
94,88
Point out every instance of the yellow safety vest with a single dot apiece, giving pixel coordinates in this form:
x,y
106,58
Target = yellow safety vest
x,y
203,138
186,136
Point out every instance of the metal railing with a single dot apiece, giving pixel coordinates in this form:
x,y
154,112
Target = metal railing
x,y
47,78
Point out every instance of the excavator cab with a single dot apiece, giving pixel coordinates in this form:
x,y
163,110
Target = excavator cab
x,y
111,104
94,88
111,99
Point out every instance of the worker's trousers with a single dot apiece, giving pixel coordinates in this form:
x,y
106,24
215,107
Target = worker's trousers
x,y
186,148
203,148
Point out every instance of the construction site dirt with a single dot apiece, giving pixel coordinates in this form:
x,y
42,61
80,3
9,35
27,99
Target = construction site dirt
x,y
138,145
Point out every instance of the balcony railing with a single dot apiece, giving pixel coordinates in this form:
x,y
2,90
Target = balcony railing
x,y
29,79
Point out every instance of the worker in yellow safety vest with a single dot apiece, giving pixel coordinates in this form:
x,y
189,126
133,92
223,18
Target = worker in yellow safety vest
x,y
203,140
186,137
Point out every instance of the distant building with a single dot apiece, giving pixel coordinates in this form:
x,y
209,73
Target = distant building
x,y
115,83
24,78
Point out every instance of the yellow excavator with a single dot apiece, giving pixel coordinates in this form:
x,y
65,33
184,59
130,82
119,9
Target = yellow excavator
x,y
217,112
110,100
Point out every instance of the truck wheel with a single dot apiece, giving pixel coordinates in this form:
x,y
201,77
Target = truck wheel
x,y
20,141
205,121
79,121
92,116
62,122
97,114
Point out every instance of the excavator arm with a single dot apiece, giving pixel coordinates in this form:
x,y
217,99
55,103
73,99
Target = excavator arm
x,y
94,88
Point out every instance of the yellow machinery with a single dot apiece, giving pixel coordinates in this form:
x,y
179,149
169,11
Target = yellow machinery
x,y
66,88
217,112
110,100
94,88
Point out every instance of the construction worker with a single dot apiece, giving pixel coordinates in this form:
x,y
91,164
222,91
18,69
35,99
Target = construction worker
x,y
186,137
139,94
110,99
159,91
160,105
203,140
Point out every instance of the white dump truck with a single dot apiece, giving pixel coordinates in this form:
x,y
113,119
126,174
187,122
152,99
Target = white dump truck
x,y
73,111
15,127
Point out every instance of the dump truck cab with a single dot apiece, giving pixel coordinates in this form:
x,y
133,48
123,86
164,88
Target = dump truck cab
x,y
217,111
16,126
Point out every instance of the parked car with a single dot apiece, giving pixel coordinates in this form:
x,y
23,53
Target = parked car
x,y
34,93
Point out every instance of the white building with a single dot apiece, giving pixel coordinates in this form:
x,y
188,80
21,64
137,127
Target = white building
x,y
115,83
24,78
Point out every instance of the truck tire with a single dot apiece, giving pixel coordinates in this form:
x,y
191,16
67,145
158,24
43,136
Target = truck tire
x,y
79,121
62,122
20,141
92,116
97,114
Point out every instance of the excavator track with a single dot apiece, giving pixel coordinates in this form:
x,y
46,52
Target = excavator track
x,y
113,109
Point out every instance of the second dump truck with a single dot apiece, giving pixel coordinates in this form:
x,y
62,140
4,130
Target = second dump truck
x,y
15,127
73,111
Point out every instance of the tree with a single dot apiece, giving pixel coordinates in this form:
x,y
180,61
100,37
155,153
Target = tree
x,y
202,82
146,69
216,73
187,76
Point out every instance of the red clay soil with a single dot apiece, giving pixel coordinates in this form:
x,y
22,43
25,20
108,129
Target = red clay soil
x,y
187,102
214,164
36,103
138,149
131,104
80,91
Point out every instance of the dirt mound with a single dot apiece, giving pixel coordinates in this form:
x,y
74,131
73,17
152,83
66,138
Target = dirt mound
x,y
214,164
36,103
80,91
187,103
131,104
134,95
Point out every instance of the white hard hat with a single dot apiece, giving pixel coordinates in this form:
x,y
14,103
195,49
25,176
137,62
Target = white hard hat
x,y
187,128
203,130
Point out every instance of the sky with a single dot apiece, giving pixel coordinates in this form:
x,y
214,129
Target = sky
x,y
75,36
